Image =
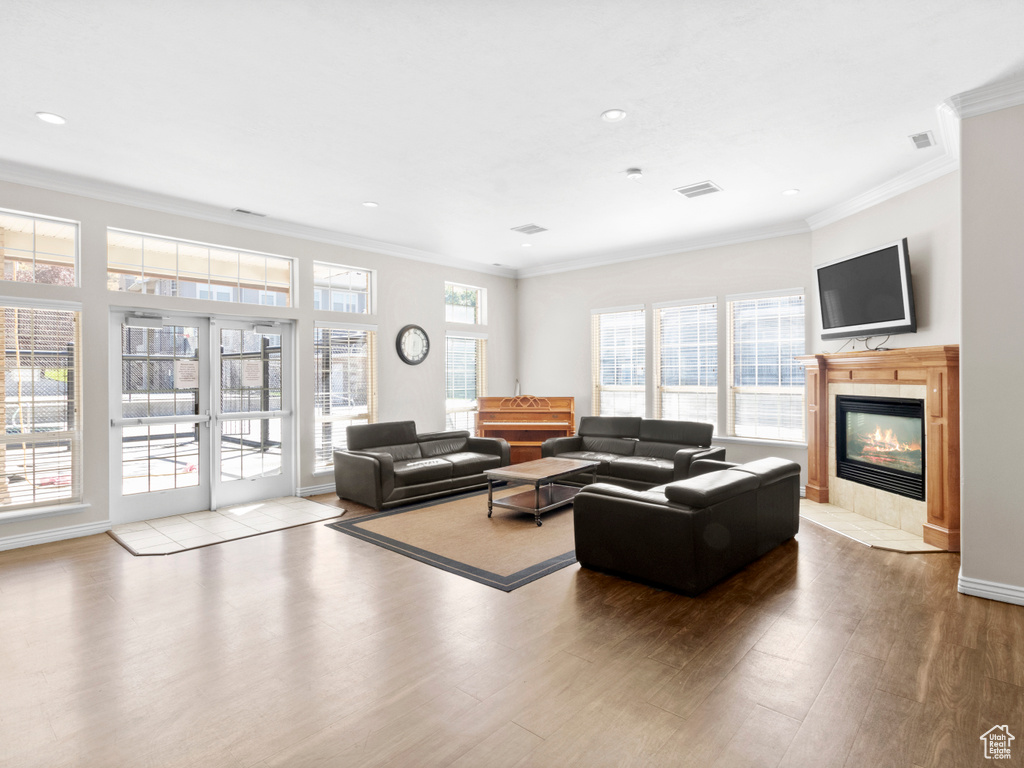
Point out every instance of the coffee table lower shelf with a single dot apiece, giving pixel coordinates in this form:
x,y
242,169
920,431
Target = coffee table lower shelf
x,y
537,501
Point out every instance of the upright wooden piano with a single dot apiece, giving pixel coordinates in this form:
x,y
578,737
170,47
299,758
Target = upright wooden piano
x,y
525,422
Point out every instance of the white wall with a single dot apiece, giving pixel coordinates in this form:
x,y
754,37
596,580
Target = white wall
x,y
991,356
929,217
407,292
555,311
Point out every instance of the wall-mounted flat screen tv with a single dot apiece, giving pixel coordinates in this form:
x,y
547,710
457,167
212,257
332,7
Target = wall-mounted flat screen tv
x,y
867,294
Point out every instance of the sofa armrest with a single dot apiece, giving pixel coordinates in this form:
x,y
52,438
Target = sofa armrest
x,y
685,456
556,445
364,477
703,466
493,446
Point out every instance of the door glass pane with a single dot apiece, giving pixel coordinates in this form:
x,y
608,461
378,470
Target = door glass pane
x,y
250,383
159,377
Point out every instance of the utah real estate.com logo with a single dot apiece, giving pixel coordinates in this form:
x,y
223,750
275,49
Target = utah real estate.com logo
x,y
997,742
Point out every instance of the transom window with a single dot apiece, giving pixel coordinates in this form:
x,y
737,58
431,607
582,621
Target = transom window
x,y
34,249
686,341
618,366
341,289
464,304
345,388
766,383
138,263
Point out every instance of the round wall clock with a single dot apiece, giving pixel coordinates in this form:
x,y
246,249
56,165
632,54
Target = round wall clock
x,y
412,344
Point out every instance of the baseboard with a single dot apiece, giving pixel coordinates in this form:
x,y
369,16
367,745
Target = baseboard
x,y
313,490
992,590
54,534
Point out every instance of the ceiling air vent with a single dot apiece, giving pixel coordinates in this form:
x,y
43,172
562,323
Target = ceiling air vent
x,y
701,188
248,213
923,140
529,229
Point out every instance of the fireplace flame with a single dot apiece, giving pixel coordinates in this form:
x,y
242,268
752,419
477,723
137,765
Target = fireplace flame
x,y
887,442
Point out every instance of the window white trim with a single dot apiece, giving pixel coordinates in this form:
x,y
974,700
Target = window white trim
x,y
767,294
613,310
371,287
78,245
466,334
685,302
343,326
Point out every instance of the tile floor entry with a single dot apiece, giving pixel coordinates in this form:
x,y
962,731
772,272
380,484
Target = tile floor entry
x,y
874,533
178,533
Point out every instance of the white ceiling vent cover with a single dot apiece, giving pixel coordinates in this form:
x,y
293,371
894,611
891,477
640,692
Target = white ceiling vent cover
x,y
701,188
923,140
529,229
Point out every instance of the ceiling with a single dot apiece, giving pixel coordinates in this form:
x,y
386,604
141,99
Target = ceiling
x,y
466,118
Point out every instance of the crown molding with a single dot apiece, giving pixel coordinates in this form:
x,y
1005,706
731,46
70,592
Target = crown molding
x,y
31,176
988,98
714,241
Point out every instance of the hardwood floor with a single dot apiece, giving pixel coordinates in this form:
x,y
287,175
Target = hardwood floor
x,y
305,647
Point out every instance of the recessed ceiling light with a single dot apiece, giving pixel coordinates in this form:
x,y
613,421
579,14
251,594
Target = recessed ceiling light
x,y
371,204
52,119
634,174
791,191
613,115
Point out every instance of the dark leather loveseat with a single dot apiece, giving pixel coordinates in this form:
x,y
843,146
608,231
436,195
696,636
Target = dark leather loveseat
x,y
635,452
389,464
693,533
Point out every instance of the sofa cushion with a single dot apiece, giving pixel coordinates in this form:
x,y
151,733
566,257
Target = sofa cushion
x,y
469,463
645,469
438,444
364,436
616,445
656,449
705,490
604,458
682,432
610,426
415,471
399,452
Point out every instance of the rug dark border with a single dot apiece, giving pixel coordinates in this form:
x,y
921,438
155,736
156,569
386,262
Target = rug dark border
x,y
479,575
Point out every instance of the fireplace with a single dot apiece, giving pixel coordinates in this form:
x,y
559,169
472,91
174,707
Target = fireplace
x,y
880,443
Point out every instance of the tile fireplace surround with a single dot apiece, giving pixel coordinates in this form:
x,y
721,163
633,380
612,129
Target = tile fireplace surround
x,y
931,374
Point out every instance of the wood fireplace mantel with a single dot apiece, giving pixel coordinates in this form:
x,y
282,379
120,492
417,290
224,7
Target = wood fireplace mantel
x,y
938,368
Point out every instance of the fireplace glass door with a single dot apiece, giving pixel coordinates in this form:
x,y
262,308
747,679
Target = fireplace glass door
x,y
880,443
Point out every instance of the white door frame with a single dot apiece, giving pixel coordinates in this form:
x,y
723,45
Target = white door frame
x,y
211,491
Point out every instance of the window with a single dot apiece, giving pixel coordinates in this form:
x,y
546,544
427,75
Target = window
x,y
346,387
341,289
618,350
766,387
686,343
37,250
465,380
40,449
156,265
464,304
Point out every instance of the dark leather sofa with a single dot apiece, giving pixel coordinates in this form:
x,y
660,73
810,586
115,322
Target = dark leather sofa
x,y
689,535
635,452
389,464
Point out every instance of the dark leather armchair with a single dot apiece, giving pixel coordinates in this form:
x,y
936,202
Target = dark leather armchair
x,y
389,464
690,534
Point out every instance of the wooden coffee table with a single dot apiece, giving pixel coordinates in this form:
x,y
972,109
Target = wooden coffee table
x,y
542,474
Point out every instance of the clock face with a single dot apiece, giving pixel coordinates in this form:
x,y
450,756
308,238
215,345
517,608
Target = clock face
x,y
412,344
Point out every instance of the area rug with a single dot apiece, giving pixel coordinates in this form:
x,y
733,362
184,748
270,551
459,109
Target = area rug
x,y
180,533
504,551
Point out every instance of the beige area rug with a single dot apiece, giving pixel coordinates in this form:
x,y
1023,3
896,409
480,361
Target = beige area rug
x,y
179,533
504,551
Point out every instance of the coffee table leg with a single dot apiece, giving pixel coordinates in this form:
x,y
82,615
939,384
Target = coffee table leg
x,y
490,496
536,502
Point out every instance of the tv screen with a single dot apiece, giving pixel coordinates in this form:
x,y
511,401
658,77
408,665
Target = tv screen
x,y
867,294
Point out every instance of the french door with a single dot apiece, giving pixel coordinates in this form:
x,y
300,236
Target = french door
x,y
201,414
